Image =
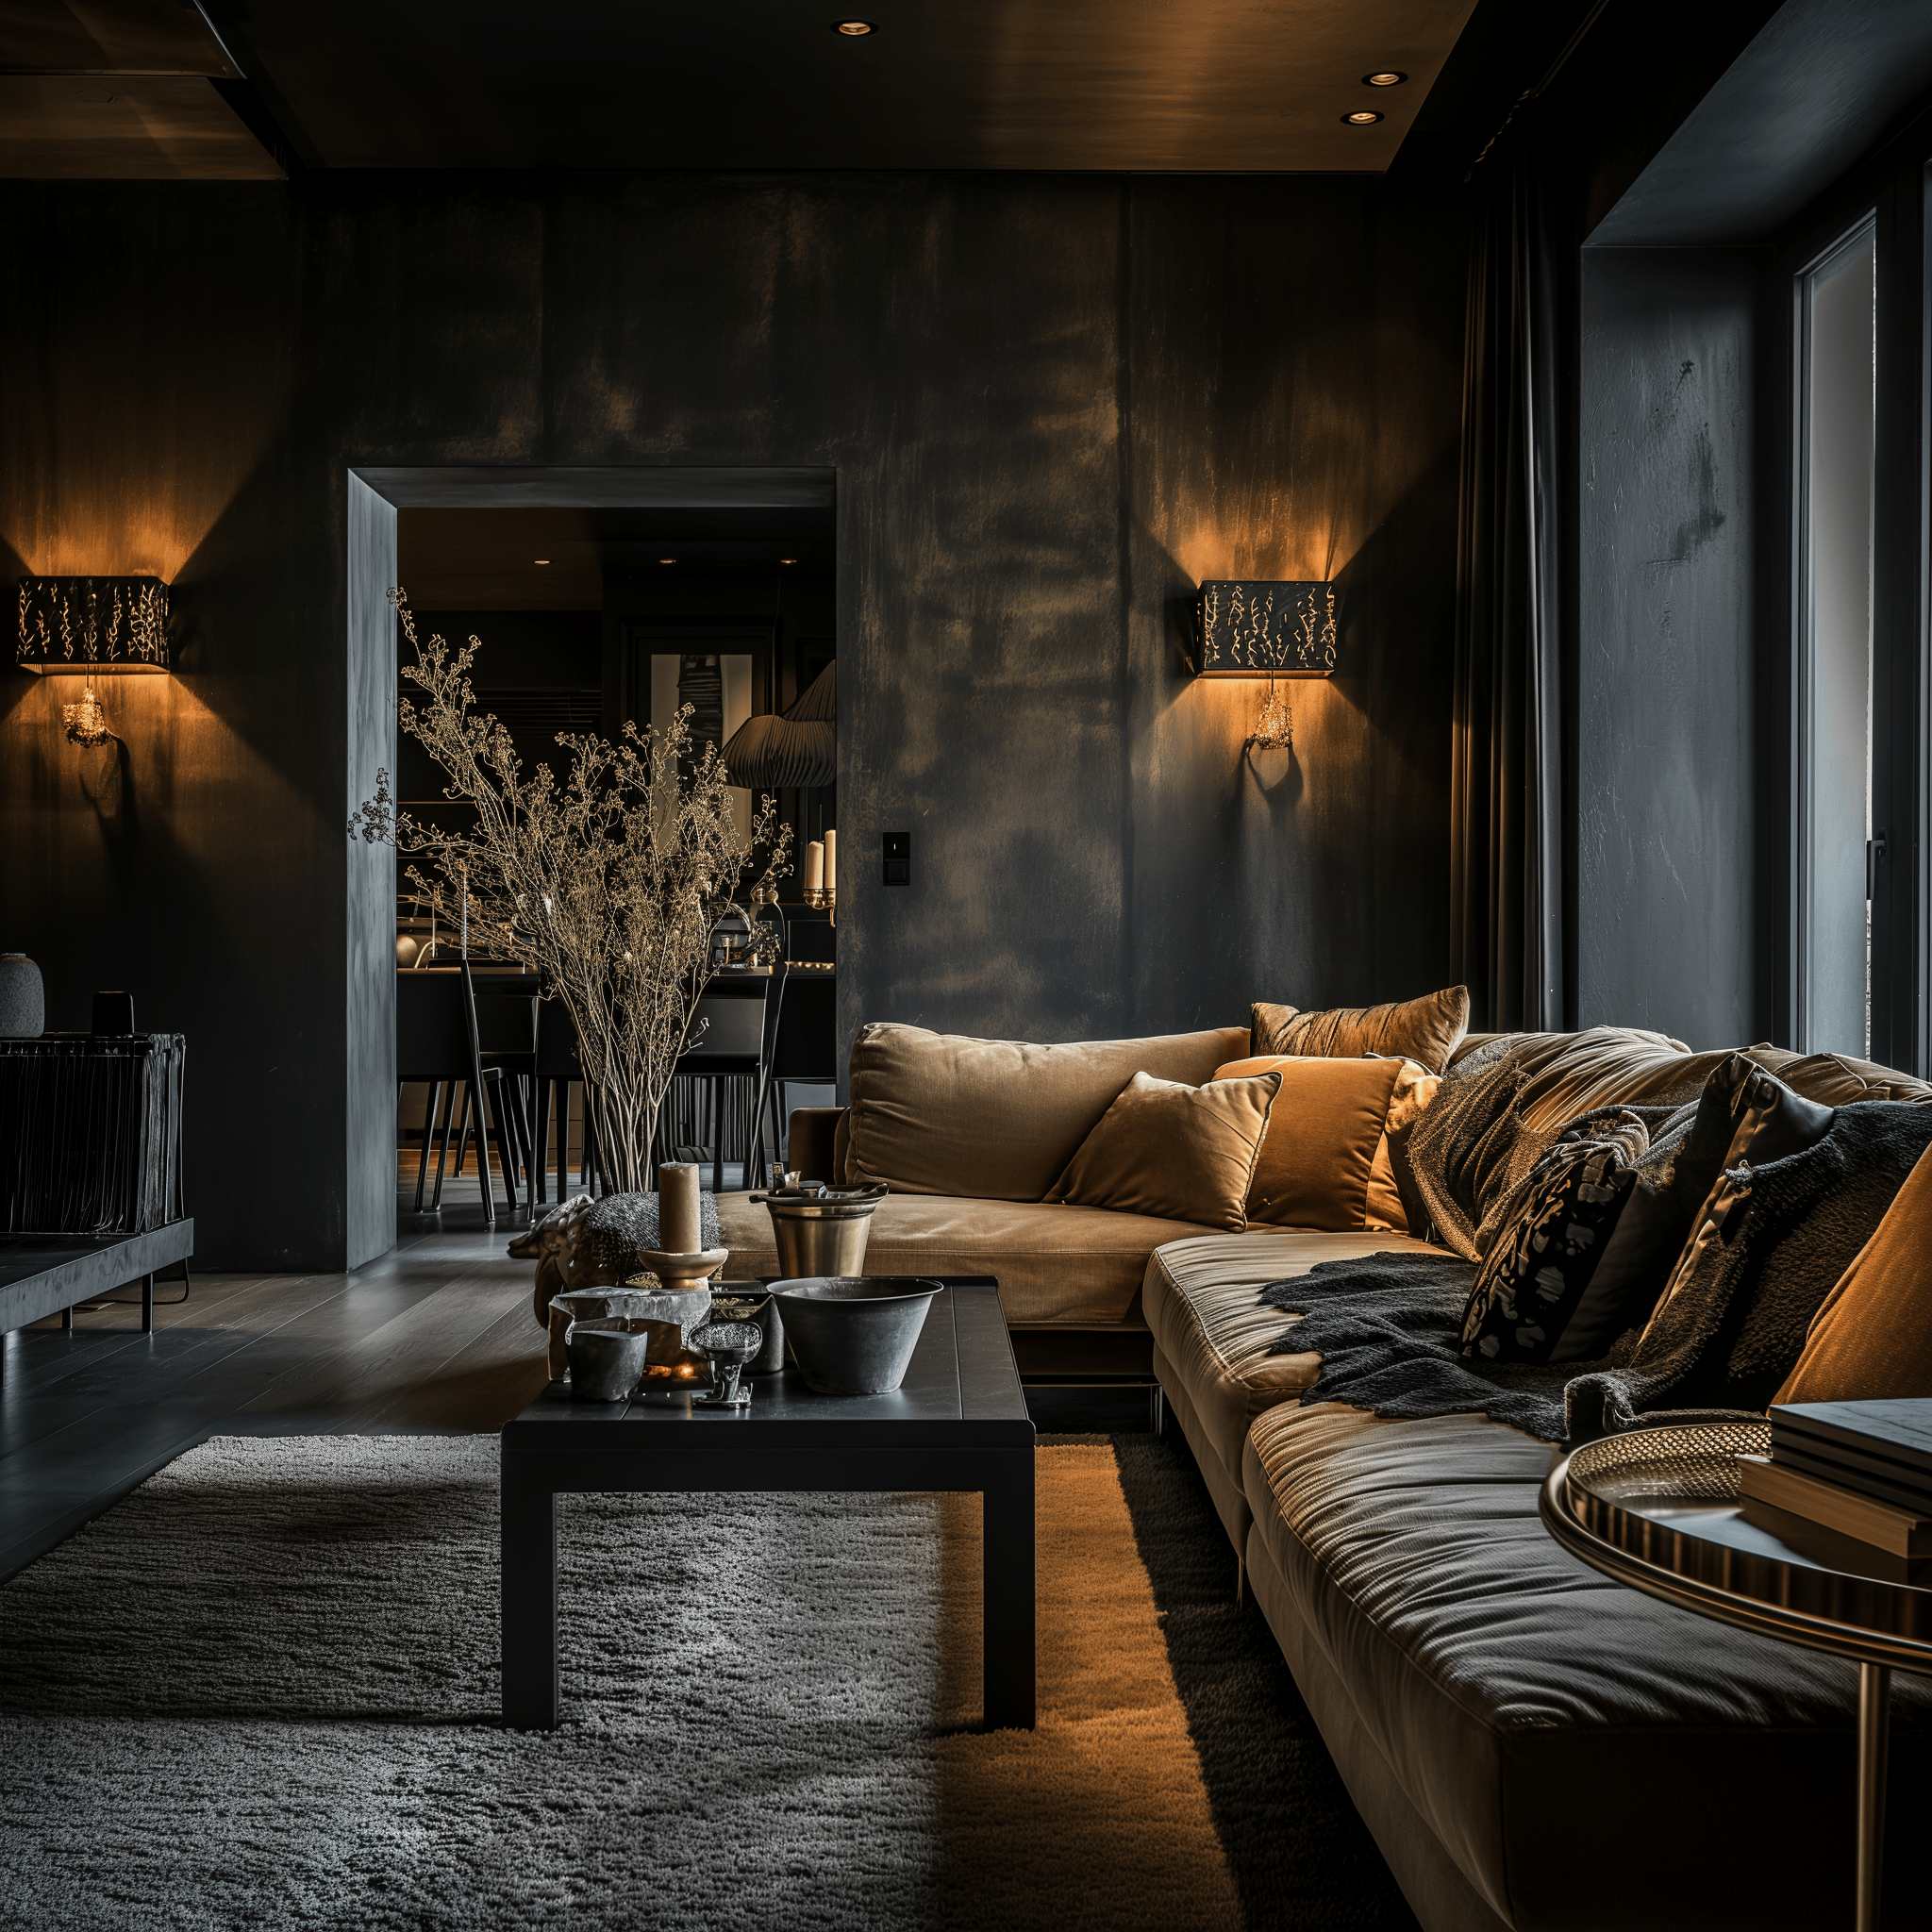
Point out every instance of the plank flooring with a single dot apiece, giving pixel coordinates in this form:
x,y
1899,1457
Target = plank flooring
x,y
435,1337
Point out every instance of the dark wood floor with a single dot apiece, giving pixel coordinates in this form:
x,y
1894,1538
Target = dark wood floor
x,y
437,1336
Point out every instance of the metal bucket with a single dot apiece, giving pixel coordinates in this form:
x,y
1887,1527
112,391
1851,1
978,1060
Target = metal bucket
x,y
820,1235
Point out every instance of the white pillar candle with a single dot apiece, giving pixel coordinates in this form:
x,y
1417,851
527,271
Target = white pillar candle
x,y
678,1208
831,861
814,867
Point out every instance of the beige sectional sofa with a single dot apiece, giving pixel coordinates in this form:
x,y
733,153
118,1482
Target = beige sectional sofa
x,y
1532,1745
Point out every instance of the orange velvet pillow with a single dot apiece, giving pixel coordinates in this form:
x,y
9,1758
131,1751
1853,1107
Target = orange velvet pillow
x,y
1873,1338
1319,1157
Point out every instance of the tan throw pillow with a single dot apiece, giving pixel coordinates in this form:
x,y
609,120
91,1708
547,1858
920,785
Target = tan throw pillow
x,y
1318,1159
1871,1340
1427,1029
1180,1153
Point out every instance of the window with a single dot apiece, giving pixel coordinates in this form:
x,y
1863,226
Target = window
x,y
1835,844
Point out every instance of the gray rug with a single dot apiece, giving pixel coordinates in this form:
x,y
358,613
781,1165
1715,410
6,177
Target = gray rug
x,y
262,1693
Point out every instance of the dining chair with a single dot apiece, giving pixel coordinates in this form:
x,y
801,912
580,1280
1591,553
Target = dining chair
x,y
805,1049
559,1066
740,1019
438,1042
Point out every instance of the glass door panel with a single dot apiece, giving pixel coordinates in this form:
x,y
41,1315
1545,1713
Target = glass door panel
x,y
1836,394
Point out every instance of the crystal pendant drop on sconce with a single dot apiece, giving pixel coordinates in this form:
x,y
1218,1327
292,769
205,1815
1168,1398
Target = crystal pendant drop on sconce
x,y
1274,728
86,723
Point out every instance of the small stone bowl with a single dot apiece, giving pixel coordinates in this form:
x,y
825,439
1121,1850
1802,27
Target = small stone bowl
x,y
854,1334
606,1359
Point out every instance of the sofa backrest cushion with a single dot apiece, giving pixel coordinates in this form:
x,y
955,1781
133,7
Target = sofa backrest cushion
x,y
998,1120
1427,1029
1832,1080
1323,1132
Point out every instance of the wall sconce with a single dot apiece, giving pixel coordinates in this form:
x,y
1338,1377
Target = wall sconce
x,y
92,624
1284,629
1281,629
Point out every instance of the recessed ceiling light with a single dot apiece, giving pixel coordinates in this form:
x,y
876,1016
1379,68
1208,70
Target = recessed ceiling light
x,y
1388,78
855,28
1363,117
540,559
667,560
787,560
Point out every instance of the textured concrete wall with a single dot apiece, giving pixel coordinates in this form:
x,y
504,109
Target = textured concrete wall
x,y
1666,868
1052,402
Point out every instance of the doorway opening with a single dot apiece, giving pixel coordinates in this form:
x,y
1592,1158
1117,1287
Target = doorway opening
x,y
600,598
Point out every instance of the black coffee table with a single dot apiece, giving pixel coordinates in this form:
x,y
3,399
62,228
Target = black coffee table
x,y
960,1421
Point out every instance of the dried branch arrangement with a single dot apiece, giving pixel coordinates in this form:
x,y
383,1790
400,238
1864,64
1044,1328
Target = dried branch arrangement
x,y
609,882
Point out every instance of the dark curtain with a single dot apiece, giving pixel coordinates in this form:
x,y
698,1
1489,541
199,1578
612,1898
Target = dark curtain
x,y
1506,862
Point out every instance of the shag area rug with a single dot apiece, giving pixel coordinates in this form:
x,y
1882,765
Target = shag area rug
x,y
262,1692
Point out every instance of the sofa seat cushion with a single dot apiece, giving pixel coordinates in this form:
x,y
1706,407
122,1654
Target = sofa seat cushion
x,y
1519,1696
1057,1264
1201,1300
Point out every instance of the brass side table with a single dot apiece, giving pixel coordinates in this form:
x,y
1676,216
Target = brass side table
x,y
1659,1509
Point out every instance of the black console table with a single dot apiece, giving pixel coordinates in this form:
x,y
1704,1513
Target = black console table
x,y
44,1274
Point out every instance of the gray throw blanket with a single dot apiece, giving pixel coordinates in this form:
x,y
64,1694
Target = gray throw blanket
x,y
1386,1326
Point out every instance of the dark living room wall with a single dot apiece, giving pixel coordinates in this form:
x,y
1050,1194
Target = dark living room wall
x,y
1052,403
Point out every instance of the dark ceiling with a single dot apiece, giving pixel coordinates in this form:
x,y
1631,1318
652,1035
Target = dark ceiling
x,y
486,560
1113,85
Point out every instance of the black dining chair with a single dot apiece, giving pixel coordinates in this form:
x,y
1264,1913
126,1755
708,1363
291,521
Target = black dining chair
x,y
507,1040
559,1067
805,1051
438,1042
736,1027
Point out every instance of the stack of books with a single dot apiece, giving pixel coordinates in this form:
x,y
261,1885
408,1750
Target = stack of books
x,y
1863,1469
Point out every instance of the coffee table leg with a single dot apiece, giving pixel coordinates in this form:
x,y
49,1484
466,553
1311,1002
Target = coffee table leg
x,y
1874,1724
1010,1606
529,1603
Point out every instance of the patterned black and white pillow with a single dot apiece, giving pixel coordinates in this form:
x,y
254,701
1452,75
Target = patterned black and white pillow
x,y
1551,1236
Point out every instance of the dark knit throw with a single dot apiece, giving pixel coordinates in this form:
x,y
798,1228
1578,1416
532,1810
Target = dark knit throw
x,y
1388,1328
1727,1333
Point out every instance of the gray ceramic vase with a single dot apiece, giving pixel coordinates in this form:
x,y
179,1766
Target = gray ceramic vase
x,y
853,1335
22,998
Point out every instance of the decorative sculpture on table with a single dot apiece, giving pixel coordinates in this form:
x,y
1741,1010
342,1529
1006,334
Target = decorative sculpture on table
x,y
607,882
588,1244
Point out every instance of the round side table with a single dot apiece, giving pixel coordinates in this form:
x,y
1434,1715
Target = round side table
x,y
1659,1509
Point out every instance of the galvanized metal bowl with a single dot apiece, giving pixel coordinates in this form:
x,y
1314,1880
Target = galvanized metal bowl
x,y
854,1334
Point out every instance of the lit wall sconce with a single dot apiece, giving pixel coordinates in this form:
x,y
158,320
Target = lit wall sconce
x,y
92,624
1285,630
1272,631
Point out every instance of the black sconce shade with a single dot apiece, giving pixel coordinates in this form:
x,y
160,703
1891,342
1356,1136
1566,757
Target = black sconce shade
x,y
94,624
1284,629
